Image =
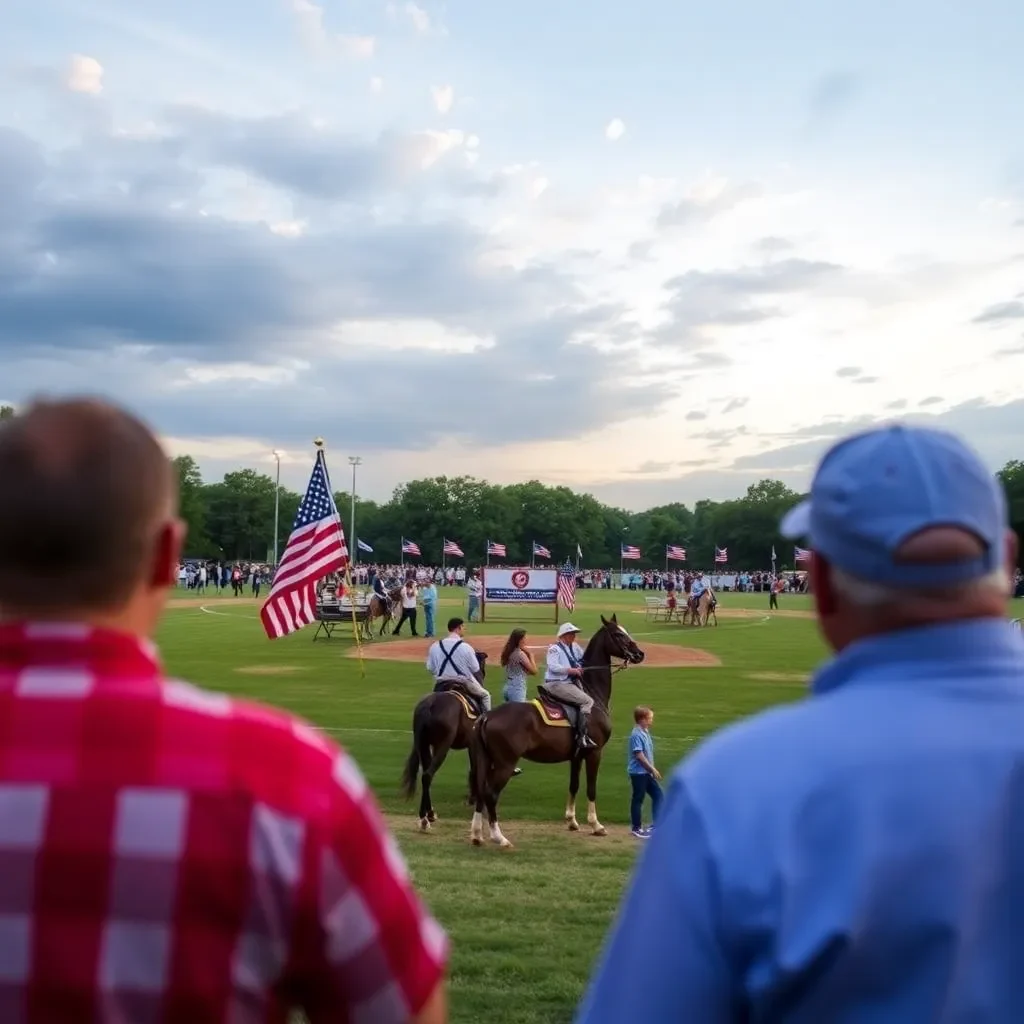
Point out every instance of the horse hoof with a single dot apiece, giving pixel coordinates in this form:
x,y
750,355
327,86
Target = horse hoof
x,y
477,841
506,845
424,825
602,831
432,816
574,826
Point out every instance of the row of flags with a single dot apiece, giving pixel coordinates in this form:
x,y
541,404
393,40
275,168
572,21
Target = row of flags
x,y
316,547
451,547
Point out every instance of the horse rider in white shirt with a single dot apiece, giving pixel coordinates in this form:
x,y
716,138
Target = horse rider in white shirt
x,y
563,679
454,659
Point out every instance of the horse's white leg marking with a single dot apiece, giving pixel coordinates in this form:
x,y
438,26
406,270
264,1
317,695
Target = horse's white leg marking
x,y
476,830
497,836
424,824
570,814
596,827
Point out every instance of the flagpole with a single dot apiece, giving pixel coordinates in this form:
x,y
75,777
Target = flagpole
x,y
666,558
402,555
321,455
533,553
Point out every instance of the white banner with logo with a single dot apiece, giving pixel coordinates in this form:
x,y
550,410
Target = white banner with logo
x,y
520,586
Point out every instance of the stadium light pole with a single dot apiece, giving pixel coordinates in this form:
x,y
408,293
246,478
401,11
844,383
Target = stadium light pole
x,y
353,461
277,503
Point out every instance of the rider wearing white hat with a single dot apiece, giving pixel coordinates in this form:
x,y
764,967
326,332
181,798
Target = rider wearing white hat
x,y
563,678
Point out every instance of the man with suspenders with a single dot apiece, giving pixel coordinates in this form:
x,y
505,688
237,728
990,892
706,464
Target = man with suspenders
x,y
454,659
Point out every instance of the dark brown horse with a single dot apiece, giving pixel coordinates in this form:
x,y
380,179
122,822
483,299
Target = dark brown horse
x,y
378,609
517,730
441,722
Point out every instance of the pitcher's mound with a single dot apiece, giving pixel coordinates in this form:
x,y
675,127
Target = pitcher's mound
x,y
658,655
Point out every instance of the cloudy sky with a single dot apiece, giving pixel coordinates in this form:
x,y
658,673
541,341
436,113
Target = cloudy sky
x,y
655,250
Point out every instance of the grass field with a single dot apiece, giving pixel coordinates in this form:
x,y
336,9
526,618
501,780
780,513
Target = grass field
x,y
523,942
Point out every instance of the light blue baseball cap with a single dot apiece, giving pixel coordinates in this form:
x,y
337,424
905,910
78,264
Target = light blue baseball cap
x,y
875,490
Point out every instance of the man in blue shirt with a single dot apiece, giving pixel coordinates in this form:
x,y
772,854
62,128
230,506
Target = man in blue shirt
x,y
857,856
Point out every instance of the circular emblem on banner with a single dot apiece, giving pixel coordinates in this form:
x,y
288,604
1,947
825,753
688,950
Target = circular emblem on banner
x,y
520,579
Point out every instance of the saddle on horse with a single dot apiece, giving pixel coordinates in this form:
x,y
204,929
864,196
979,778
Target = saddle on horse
x,y
573,715
457,686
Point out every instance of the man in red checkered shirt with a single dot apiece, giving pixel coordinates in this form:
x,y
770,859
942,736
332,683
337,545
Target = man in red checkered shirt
x,y
167,854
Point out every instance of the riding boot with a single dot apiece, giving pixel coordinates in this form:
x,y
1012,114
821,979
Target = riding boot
x,y
583,739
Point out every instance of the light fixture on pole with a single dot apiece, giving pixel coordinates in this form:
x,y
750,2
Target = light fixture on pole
x,y
353,461
277,503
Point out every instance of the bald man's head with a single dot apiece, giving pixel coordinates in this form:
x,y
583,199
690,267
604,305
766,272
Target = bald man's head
x,y
85,491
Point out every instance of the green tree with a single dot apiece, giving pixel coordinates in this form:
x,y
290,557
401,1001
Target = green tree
x,y
6,412
1011,476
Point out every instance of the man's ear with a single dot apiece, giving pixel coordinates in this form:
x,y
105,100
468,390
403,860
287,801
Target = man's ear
x,y
170,540
822,591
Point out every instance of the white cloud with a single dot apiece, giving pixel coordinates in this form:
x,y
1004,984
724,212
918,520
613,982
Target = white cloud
x,y
320,41
85,74
615,129
376,85
357,47
444,97
414,15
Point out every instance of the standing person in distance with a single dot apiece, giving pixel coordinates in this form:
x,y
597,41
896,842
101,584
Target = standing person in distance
x,y
474,590
856,857
409,597
168,853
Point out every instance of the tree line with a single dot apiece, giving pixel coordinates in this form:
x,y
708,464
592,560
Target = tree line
x,y
233,519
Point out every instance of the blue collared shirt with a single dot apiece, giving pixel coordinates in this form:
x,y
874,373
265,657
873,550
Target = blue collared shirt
x,y
855,857
640,742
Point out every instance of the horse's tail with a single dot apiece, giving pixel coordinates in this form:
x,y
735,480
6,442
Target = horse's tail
x,y
420,746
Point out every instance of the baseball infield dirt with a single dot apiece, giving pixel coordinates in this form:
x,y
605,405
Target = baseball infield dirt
x,y
415,649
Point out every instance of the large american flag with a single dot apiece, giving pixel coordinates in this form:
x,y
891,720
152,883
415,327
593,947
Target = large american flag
x,y
540,551
498,550
675,552
315,548
409,547
628,551
451,548
801,555
721,554
567,586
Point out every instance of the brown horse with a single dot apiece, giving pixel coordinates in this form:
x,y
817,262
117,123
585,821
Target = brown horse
x,y
441,722
705,607
377,609
516,730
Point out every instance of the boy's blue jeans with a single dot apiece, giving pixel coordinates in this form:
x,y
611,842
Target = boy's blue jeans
x,y
644,785
428,614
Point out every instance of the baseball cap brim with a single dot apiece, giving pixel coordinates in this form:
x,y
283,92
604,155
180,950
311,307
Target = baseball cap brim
x,y
796,523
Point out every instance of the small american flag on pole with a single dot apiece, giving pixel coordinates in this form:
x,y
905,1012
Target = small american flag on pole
x,y
451,548
409,547
675,553
721,554
497,550
315,548
540,551
801,555
628,551
567,586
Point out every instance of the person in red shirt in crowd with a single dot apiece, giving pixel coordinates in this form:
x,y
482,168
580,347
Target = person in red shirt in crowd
x,y
168,853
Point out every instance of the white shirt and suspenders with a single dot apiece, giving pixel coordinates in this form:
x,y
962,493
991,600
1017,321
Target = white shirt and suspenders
x,y
451,658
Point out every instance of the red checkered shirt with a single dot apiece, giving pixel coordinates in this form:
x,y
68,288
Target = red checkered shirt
x,y
170,854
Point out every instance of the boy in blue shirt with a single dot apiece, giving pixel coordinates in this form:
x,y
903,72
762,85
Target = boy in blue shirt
x,y
643,776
